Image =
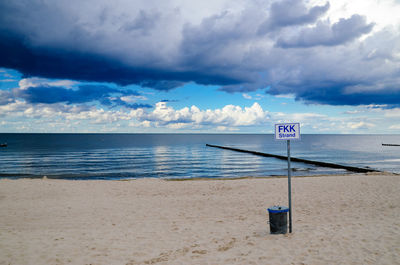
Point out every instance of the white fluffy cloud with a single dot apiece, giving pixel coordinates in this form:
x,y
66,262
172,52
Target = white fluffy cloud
x,y
22,116
360,125
163,116
229,115
35,82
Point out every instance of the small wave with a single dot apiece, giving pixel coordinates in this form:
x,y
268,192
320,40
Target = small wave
x,y
307,169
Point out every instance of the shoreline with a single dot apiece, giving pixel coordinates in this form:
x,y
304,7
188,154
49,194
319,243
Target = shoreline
x,y
340,219
283,176
199,178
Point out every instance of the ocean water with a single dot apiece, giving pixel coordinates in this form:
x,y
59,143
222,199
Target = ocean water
x,y
130,156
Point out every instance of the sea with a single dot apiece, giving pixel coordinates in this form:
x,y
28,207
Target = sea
x,y
186,156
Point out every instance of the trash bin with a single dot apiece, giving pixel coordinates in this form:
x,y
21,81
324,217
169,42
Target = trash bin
x,y
278,219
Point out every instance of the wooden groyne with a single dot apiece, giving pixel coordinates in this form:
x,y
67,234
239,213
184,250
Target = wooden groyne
x,y
391,144
294,159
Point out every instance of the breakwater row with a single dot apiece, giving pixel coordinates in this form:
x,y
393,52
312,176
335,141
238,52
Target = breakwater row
x,y
295,159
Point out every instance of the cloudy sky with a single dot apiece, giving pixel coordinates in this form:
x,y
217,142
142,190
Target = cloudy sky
x,y
199,66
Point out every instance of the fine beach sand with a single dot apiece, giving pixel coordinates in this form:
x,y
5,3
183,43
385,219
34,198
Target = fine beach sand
x,y
352,219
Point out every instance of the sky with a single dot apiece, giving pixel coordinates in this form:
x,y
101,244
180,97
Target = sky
x,y
212,66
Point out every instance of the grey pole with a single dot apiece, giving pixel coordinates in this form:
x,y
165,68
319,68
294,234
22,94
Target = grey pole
x,y
289,186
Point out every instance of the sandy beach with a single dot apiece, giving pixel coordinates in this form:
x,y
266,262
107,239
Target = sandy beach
x,y
352,219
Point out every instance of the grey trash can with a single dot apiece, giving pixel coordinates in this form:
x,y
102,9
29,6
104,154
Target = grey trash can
x,y
278,219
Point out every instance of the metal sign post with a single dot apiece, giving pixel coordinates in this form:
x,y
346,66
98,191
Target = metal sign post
x,y
288,131
289,172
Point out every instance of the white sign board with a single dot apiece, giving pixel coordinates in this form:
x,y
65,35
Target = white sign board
x,y
287,131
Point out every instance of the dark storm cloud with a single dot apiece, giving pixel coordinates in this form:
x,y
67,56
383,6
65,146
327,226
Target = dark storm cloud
x,y
329,35
86,66
161,84
337,93
75,65
84,94
164,45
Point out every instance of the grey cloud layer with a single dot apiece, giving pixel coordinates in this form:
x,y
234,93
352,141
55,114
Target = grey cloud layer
x,y
38,91
291,13
287,46
328,35
84,94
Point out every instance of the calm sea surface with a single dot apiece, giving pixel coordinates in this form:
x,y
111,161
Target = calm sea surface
x,y
126,156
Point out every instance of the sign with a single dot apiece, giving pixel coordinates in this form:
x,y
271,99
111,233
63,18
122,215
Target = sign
x,y
287,131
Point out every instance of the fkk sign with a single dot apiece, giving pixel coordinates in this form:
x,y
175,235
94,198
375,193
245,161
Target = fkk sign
x,y
287,131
